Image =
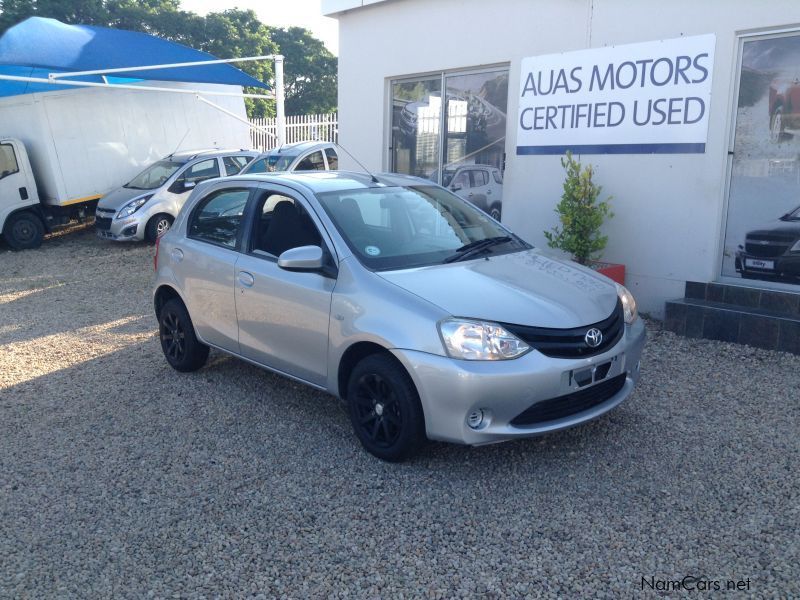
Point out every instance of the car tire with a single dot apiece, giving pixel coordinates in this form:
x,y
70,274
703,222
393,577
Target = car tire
x,y
776,132
385,409
183,351
158,226
496,212
23,231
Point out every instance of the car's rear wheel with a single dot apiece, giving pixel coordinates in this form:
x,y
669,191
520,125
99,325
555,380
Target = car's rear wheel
x,y
495,212
384,408
158,226
183,351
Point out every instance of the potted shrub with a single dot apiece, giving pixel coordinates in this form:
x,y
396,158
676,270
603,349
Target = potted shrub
x,y
581,214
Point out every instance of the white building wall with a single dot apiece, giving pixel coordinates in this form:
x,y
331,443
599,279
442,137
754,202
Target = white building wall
x,y
669,209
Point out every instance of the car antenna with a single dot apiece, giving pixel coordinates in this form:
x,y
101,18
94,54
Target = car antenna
x,y
179,144
374,179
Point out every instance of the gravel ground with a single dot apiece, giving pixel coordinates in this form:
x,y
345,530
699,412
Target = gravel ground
x,y
119,476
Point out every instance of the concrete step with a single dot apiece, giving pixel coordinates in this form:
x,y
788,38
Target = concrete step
x,y
787,303
733,313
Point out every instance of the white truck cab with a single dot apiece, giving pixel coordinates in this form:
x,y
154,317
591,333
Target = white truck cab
x,y
22,221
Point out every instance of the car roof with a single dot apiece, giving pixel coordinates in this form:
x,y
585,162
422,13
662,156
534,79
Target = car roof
x,y
333,181
186,156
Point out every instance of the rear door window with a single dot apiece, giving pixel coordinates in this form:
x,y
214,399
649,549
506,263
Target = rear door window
x,y
333,159
234,164
217,218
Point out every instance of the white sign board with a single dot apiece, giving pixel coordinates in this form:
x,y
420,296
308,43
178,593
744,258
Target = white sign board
x,y
652,97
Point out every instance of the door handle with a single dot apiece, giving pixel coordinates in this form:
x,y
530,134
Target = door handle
x,y
246,279
176,254
23,193
489,192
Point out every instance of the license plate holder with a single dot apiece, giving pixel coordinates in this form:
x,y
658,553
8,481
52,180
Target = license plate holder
x,y
758,263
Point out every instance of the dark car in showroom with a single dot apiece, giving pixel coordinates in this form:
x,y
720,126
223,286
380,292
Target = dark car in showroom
x,y
773,251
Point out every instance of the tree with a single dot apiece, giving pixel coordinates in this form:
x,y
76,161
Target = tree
x,y
310,77
310,69
580,213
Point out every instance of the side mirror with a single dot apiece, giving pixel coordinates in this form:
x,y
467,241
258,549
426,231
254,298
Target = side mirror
x,y
188,185
303,258
455,187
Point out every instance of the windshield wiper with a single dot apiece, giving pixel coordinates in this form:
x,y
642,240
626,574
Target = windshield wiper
x,y
476,247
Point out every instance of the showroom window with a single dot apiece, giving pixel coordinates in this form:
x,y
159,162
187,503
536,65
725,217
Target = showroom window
x,y
762,234
434,139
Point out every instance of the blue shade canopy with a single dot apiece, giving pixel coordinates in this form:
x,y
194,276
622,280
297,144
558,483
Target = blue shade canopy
x,y
38,46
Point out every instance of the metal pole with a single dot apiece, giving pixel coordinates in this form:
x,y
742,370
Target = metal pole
x,y
280,115
138,88
198,63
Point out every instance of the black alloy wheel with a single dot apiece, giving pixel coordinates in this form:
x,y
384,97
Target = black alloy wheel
x,y
379,416
183,351
385,409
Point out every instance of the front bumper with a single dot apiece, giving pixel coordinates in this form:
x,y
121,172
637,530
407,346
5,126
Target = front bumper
x,y
786,266
119,230
450,390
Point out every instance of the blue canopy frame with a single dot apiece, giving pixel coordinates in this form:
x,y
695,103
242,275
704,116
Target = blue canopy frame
x,y
38,47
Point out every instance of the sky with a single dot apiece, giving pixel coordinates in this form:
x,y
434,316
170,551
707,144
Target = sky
x,y
279,13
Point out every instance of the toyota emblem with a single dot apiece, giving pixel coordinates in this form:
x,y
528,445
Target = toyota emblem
x,y
593,337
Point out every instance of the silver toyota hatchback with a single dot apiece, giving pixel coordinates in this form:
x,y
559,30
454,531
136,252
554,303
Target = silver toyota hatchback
x,y
426,316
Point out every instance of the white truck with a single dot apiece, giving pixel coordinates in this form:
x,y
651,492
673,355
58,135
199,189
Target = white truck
x,y
61,151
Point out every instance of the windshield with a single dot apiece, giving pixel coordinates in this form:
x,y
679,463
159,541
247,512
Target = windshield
x,y
154,176
268,164
413,226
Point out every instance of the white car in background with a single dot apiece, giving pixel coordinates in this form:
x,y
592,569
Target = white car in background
x,y
481,185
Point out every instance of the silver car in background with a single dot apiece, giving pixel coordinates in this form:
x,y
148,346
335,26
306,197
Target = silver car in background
x,y
145,207
300,156
427,317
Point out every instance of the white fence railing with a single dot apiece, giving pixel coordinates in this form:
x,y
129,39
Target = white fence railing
x,y
298,128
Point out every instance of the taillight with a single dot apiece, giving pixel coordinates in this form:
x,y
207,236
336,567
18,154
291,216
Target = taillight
x,y
155,258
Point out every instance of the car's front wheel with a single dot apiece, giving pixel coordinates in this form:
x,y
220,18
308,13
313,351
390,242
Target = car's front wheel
x,y
385,409
23,231
157,226
776,126
183,351
496,212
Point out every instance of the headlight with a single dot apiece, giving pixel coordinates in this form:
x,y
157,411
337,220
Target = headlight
x,y
796,247
132,206
628,304
479,340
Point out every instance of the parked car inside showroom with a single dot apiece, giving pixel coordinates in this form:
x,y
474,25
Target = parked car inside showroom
x,y
300,156
773,250
784,107
146,206
482,185
427,317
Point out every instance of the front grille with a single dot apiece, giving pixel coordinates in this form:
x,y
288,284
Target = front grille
x,y
102,223
570,404
771,250
571,343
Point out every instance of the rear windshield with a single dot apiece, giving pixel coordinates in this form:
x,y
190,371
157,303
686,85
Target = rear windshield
x,y
154,176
